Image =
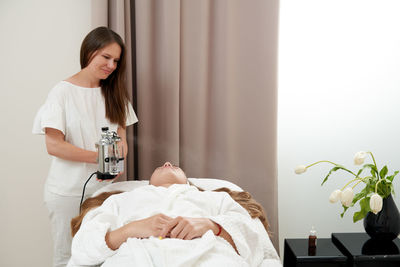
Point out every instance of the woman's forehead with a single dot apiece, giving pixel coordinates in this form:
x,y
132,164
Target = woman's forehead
x,y
112,49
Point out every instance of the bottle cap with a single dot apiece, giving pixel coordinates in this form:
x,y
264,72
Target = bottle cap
x,y
313,232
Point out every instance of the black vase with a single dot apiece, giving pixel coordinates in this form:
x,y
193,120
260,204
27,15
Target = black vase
x,y
386,224
379,247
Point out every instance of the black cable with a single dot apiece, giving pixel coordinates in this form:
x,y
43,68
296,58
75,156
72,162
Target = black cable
x,y
83,193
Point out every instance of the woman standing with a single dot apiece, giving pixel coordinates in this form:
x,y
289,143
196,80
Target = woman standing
x,y
72,117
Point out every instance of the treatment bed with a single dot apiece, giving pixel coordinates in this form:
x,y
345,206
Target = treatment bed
x,y
267,255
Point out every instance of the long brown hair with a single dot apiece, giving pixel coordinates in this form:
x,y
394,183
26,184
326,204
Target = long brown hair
x,y
87,205
245,199
113,88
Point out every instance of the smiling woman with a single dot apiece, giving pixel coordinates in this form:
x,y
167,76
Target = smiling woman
x,y
72,117
104,61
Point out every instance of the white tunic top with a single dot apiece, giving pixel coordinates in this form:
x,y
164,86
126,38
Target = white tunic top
x,y
79,113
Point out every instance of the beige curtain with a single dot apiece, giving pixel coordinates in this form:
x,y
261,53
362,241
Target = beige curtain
x,y
207,92
115,14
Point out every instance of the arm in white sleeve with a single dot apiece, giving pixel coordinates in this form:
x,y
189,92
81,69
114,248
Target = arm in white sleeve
x,y
241,227
58,147
88,245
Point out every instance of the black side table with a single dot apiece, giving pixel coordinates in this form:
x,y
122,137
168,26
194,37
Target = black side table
x,y
327,255
362,251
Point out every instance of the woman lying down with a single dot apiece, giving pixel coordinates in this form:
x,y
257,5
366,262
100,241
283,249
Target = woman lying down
x,y
171,223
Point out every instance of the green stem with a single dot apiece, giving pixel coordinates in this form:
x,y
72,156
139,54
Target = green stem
x,y
355,179
373,159
330,163
376,186
361,180
315,163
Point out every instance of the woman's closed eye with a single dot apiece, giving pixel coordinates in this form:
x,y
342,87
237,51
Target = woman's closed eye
x,y
109,57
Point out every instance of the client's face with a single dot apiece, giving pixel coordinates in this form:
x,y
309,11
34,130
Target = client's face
x,y
168,174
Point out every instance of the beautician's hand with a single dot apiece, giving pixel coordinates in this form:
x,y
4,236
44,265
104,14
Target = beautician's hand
x,y
58,147
113,179
188,228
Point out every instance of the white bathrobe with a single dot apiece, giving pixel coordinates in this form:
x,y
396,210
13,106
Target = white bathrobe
x,y
254,246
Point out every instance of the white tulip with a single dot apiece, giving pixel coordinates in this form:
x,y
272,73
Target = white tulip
x,y
347,197
359,157
300,169
335,196
375,203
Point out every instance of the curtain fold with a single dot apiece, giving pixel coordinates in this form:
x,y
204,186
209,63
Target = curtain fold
x,y
207,92
157,62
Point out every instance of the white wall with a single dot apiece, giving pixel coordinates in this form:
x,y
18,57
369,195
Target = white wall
x,y
40,42
339,92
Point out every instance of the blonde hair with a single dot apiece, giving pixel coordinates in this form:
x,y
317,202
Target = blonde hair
x,y
87,205
245,200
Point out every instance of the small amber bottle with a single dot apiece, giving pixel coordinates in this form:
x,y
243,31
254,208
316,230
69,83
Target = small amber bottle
x,y
312,242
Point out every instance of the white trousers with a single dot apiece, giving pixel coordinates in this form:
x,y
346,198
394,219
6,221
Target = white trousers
x,y
61,210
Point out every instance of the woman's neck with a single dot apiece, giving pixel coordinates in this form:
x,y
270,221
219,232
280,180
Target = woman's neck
x,y
84,79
